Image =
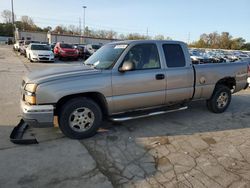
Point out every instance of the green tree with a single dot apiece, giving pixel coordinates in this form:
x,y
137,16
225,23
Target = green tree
x,y
159,37
136,36
59,29
225,40
215,40
28,24
46,29
246,46
6,29
237,43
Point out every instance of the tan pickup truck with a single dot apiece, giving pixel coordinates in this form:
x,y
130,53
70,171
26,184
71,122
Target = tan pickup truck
x,y
126,80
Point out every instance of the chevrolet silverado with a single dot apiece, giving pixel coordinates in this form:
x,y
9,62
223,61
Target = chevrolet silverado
x,y
126,80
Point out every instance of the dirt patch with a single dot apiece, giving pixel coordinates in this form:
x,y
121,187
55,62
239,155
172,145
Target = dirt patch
x,y
209,140
155,142
161,140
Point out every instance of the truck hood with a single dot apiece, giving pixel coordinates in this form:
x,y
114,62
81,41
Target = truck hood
x,y
51,74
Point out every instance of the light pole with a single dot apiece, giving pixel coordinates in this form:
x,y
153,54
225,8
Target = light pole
x,y
84,7
13,21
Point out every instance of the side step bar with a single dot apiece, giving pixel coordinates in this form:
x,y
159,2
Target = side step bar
x,y
120,119
16,135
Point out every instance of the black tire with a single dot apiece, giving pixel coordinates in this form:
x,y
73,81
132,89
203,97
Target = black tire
x,y
74,106
220,99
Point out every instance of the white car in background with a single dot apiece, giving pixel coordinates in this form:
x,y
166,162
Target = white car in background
x,y
39,52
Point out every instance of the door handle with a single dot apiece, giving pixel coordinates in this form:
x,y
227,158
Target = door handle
x,y
159,76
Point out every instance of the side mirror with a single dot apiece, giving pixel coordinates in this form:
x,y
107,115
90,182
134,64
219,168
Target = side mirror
x,y
127,66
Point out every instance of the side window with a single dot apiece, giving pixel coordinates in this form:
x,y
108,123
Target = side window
x,y
143,56
174,55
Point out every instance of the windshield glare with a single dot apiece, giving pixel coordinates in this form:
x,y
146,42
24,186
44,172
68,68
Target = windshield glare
x,y
40,47
106,56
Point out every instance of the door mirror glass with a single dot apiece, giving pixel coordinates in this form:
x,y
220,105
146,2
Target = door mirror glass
x,y
127,66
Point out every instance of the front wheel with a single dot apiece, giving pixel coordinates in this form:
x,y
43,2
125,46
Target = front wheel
x,y
80,118
220,99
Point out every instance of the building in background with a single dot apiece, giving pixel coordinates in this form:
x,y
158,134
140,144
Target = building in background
x,y
6,40
51,37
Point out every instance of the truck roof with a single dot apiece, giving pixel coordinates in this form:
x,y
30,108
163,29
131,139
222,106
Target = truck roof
x,y
147,41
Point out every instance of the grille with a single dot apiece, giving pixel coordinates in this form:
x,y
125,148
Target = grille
x,y
43,55
44,58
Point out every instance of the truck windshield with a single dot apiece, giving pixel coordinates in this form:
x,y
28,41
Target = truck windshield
x,y
106,56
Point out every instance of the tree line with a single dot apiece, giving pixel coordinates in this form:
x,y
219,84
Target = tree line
x,y
222,40
211,40
26,23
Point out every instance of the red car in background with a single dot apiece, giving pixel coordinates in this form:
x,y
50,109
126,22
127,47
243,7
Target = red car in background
x,y
64,50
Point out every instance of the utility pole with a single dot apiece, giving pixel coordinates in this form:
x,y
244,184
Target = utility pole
x,y
80,30
188,38
80,26
13,21
84,7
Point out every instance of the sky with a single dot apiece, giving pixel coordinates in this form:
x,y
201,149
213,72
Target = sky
x,y
183,20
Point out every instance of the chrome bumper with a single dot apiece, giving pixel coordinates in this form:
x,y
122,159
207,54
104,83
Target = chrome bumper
x,y
37,115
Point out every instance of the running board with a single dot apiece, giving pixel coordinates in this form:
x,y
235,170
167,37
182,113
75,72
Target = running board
x,y
123,118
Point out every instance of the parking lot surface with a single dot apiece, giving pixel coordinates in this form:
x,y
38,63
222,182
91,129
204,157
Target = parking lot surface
x,y
192,148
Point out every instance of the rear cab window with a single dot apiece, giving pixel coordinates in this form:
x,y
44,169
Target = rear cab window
x,y
174,55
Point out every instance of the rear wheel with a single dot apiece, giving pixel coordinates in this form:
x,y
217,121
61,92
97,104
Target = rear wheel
x,y
220,99
80,118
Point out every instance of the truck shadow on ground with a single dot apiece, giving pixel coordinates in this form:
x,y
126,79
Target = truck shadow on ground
x,y
196,119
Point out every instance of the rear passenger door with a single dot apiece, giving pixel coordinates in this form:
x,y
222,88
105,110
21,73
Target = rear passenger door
x,y
179,75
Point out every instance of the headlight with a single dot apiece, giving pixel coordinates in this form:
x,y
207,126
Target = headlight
x,y
31,88
29,94
34,54
31,99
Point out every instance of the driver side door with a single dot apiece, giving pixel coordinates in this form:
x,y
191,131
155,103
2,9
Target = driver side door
x,y
143,86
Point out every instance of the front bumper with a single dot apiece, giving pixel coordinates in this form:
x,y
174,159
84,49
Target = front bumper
x,y
38,115
37,58
69,55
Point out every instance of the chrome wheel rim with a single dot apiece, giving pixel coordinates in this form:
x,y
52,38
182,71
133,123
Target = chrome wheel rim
x,y
81,119
222,100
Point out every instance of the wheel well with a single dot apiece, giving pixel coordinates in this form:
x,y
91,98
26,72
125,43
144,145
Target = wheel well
x,y
95,96
229,82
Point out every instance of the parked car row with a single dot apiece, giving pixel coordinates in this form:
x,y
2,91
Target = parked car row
x,y
201,56
43,51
